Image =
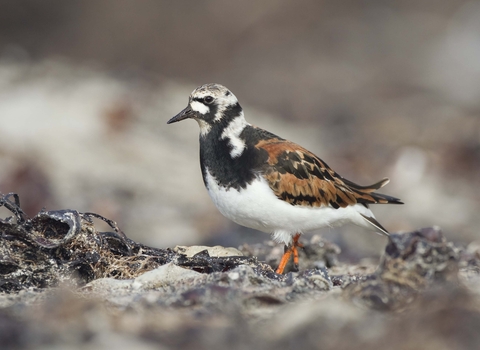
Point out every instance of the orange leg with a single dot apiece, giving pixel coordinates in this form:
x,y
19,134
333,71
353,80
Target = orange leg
x,y
295,250
289,250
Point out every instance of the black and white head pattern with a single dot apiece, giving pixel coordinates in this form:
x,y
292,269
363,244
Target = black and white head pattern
x,y
213,105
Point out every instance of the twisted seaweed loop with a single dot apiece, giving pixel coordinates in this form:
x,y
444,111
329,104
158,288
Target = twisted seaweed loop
x,y
70,217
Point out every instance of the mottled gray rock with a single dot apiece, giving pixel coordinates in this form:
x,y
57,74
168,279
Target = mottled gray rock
x,y
412,262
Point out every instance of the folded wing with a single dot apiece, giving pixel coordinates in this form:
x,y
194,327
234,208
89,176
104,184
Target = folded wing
x,y
299,177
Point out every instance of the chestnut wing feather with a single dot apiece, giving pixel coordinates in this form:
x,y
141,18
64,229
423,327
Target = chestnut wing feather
x,y
299,177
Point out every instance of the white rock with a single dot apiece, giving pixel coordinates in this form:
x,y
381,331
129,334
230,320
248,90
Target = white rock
x,y
216,251
163,276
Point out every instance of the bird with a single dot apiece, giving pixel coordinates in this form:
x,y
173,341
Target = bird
x,y
262,181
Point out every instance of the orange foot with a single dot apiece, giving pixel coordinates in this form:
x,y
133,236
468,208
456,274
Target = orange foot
x,y
289,250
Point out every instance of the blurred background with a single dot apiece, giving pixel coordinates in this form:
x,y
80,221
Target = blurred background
x,y
375,88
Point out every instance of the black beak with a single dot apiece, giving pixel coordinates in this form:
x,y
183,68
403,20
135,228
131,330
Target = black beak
x,y
185,114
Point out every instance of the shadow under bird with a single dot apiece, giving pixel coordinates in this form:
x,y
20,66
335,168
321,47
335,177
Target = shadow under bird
x,y
262,181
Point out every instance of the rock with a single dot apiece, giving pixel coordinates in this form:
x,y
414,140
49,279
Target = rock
x,y
165,275
216,251
412,262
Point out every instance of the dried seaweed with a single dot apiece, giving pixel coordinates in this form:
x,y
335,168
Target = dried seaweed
x,y
65,246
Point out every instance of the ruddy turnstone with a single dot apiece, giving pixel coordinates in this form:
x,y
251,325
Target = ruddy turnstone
x,y
262,181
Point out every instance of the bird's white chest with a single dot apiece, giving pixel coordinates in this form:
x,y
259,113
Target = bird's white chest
x,y
242,206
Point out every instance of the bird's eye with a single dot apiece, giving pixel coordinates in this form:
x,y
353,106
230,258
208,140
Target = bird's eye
x,y
208,99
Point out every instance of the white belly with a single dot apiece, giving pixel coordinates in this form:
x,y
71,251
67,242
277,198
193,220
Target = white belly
x,y
257,207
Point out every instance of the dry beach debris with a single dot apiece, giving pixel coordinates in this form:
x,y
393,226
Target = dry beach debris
x,y
91,287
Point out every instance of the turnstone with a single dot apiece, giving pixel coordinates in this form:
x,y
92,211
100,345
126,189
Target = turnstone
x,y
262,181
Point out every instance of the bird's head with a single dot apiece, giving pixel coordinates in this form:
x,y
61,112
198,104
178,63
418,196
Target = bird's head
x,y
210,104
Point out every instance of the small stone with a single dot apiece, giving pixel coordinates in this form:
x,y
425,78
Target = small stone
x,y
216,251
162,276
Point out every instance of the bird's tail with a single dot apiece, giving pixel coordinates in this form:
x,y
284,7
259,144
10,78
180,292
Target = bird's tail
x,y
367,194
